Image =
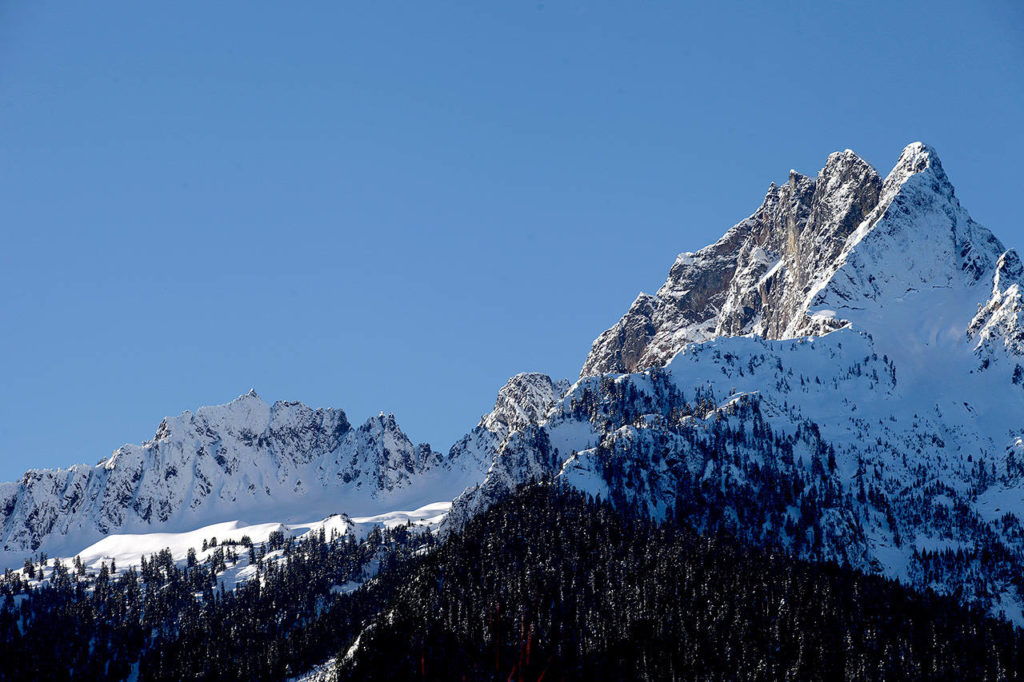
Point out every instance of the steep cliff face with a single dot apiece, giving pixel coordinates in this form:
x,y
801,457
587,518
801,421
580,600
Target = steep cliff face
x,y
817,254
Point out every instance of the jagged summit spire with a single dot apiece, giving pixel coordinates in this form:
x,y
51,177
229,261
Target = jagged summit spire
x,y
843,158
917,159
919,152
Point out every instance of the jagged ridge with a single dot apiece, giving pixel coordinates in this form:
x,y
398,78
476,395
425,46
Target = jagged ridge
x,y
243,458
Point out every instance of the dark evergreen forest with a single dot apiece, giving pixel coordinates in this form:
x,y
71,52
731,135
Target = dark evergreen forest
x,y
546,585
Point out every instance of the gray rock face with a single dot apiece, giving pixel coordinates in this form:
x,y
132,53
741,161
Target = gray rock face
x,y
762,276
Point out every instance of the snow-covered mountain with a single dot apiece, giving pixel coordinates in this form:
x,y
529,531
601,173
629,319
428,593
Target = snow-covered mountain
x,y
254,462
243,460
844,246
522,402
839,375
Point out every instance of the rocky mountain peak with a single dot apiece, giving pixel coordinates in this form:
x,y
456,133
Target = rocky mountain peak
x,y
918,159
1009,271
818,253
998,328
522,404
522,401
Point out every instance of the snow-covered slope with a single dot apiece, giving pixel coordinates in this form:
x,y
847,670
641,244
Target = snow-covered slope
x,y
130,549
243,460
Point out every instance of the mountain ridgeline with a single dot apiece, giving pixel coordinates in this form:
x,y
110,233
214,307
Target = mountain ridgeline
x,y
839,380
246,457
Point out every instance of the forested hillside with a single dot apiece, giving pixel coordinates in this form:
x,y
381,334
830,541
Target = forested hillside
x,y
173,622
547,584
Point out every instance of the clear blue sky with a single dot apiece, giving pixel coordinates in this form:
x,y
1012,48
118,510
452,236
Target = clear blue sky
x,y
396,206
